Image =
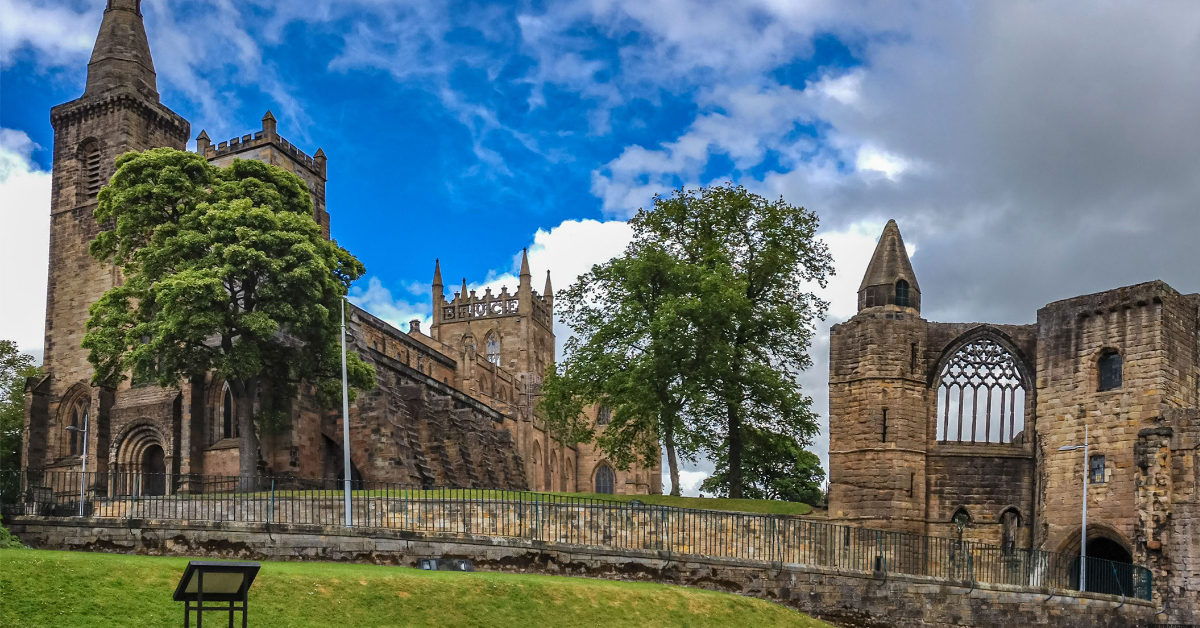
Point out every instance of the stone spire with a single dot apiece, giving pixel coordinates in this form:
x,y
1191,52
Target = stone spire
x,y
890,279
437,277
548,292
270,125
525,263
121,59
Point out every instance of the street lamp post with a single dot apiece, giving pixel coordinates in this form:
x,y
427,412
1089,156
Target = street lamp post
x,y
1083,534
83,472
345,422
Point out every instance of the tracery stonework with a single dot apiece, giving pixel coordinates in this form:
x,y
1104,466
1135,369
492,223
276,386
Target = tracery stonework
x,y
442,413
934,426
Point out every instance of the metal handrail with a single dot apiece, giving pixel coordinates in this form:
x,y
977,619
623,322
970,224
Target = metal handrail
x,y
556,518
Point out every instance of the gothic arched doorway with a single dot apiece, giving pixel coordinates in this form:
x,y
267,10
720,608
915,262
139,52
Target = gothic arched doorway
x,y
1109,567
154,470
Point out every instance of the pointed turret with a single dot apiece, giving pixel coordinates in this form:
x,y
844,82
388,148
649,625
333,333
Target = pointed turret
x,y
525,263
121,58
464,289
548,292
203,142
890,279
270,125
437,276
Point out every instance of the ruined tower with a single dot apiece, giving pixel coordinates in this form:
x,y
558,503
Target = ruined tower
x,y
878,398
118,112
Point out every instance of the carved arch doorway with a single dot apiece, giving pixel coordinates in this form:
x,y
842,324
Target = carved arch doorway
x,y
154,470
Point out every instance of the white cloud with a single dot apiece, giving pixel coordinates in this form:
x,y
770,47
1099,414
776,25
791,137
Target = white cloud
x,y
872,159
24,242
59,34
378,300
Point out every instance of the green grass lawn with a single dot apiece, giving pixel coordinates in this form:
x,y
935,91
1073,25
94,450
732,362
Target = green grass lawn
x,y
42,588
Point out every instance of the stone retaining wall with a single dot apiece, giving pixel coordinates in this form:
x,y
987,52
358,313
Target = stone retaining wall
x,y
854,599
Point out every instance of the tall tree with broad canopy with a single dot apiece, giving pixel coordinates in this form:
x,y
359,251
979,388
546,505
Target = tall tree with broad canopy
x,y
15,368
224,271
756,261
632,352
774,466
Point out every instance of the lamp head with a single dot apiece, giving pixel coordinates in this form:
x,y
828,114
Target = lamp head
x,y
1070,447
72,428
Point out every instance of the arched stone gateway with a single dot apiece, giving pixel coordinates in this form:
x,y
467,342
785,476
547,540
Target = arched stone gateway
x,y
140,462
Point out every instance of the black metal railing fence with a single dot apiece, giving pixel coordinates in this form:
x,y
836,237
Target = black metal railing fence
x,y
557,518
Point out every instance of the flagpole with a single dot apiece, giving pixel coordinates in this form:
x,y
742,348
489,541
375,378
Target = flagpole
x,y
345,422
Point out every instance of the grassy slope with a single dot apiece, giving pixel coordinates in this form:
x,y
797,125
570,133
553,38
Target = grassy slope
x,y
42,588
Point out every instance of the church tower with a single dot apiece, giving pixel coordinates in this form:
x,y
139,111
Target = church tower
x,y
118,112
878,398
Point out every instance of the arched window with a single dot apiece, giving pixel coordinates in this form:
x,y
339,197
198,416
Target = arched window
x,y
902,293
981,395
90,178
603,415
1110,366
605,479
72,433
493,349
229,423
1010,523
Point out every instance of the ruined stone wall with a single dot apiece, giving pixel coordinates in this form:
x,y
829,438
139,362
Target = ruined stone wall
x,y
1073,334
878,415
851,598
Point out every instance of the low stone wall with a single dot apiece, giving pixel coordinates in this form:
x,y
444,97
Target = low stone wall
x,y
854,599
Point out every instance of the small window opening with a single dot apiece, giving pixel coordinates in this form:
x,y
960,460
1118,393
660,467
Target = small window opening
x,y
902,293
605,479
91,171
74,435
1096,470
885,425
1110,367
493,349
1010,523
603,415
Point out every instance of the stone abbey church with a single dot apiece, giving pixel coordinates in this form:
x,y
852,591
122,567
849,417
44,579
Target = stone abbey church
x,y
453,406
952,429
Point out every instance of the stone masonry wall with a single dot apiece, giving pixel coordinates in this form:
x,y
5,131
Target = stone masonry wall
x,y
858,599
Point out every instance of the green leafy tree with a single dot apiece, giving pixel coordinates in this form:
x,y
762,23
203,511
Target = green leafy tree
x,y
15,368
631,351
755,261
774,466
226,271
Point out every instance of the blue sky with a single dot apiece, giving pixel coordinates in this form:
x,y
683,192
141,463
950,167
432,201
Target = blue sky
x,y
1014,141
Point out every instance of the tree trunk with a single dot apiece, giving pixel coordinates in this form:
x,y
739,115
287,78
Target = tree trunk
x,y
672,459
735,450
247,391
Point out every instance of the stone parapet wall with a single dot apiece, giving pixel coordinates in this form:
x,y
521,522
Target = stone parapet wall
x,y
859,599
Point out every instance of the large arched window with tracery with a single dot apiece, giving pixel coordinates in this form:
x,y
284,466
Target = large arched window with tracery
x,y
981,395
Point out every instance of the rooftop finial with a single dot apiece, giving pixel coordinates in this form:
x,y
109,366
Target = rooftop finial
x,y
437,275
549,291
270,125
525,263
